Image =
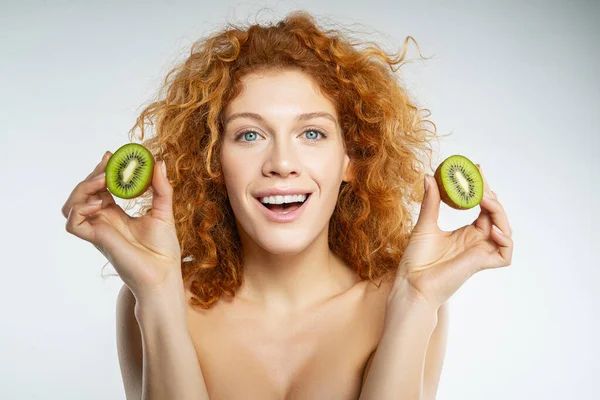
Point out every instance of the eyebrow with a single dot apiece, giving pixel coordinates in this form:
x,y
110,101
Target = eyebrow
x,y
300,117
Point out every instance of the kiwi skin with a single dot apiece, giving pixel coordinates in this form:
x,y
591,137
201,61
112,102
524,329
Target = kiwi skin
x,y
112,171
444,195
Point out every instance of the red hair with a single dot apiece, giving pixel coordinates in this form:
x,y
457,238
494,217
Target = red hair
x,y
383,130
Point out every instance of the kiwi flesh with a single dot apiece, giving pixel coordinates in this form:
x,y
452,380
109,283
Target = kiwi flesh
x,y
460,183
129,171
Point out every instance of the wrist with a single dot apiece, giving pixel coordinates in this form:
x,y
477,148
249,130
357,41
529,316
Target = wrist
x,y
404,298
171,284
167,302
405,314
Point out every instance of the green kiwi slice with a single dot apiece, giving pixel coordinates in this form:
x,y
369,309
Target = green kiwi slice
x,y
460,183
129,171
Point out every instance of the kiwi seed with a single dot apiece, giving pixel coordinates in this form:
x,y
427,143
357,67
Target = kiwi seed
x,y
129,171
460,183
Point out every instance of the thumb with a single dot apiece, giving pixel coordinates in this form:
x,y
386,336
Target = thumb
x,y
430,206
162,195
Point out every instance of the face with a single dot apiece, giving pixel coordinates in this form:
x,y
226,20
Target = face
x,y
276,147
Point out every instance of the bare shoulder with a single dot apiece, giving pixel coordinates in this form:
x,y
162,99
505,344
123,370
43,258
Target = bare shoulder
x,y
375,299
374,302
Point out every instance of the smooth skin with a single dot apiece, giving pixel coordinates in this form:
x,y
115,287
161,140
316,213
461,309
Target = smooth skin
x,y
282,336
155,350
145,251
433,267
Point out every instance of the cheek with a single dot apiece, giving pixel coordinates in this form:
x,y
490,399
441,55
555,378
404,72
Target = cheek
x,y
232,163
235,174
325,169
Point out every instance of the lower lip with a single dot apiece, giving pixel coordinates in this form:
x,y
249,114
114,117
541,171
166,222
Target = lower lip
x,y
289,217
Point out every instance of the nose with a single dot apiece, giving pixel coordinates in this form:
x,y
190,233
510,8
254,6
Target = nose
x,y
281,160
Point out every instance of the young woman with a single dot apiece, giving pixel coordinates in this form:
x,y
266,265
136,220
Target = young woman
x,y
280,260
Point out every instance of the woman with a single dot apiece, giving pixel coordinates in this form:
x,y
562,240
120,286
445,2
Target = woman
x,y
229,293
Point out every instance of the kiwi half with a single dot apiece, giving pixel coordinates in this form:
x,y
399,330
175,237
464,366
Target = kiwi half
x,y
129,171
460,183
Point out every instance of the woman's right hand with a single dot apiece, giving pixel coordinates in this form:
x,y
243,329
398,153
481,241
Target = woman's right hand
x,y
145,250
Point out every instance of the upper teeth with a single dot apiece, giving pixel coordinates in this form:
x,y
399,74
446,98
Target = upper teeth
x,y
283,199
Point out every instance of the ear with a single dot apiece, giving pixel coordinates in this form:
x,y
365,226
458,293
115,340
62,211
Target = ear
x,y
347,175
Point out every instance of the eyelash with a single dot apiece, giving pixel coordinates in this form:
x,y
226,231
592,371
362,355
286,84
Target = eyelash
x,y
237,138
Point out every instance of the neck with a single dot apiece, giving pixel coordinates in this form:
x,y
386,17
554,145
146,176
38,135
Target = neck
x,y
283,284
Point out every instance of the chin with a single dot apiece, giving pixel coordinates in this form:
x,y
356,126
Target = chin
x,y
280,239
282,244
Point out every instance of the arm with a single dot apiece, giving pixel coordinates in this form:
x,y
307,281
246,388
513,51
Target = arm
x,y
129,344
434,358
436,350
398,364
156,353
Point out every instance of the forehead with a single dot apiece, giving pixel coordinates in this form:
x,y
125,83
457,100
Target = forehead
x,y
287,90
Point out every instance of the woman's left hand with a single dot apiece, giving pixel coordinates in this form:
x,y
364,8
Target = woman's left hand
x,y
436,263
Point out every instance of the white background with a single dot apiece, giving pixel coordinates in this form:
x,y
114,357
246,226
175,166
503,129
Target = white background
x,y
515,82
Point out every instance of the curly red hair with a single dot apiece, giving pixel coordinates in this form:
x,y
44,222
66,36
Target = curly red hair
x,y
383,130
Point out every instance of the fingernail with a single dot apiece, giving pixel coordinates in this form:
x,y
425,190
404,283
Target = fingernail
x,y
99,176
497,229
426,183
105,155
94,201
164,168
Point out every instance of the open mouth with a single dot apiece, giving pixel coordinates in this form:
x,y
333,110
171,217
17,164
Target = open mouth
x,y
284,208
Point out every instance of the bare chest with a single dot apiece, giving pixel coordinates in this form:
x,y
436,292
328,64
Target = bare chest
x,y
320,354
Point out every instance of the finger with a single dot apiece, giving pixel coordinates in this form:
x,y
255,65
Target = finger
x,y
77,223
90,186
107,198
430,206
101,166
83,191
484,220
98,190
162,196
93,198
104,195
497,214
503,257
486,185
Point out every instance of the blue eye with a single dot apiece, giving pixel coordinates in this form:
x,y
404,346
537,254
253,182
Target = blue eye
x,y
312,138
314,131
249,132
